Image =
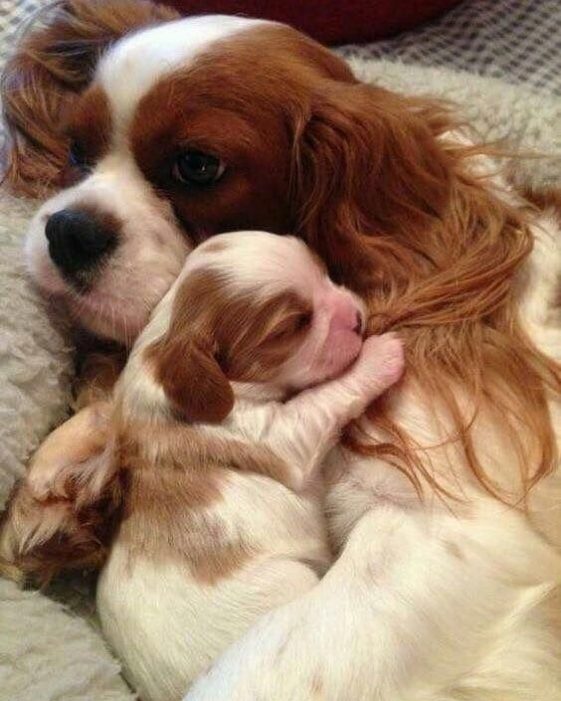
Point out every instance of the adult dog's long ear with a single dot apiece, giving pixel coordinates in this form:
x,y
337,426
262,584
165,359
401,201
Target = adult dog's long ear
x,y
191,378
367,163
54,61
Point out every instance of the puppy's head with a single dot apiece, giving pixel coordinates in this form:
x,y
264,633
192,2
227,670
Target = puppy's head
x,y
249,307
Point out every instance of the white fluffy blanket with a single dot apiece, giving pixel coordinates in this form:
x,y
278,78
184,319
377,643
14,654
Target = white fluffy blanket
x,y
46,652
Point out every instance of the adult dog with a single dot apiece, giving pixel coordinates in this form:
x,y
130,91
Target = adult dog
x,y
444,509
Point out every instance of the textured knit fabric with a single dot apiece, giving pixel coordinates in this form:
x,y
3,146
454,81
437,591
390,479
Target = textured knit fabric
x,y
518,41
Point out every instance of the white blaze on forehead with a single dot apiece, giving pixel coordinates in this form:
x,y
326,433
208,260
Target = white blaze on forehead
x,y
259,262
135,64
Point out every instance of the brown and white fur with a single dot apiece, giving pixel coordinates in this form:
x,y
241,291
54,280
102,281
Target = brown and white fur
x,y
444,509
221,444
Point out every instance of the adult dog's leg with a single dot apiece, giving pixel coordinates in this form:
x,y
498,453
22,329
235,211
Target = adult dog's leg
x,y
417,607
58,516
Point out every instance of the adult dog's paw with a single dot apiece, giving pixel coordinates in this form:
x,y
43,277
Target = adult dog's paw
x,y
59,517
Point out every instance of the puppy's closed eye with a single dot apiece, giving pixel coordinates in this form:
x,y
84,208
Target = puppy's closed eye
x,y
290,326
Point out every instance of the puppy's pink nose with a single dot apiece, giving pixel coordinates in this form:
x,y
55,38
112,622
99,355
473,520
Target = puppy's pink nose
x,y
346,316
359,326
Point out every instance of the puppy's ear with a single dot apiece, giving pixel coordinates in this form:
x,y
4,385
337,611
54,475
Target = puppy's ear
x,y
55,60
192,379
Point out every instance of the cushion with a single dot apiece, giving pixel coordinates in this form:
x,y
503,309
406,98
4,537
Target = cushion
x,y
328,21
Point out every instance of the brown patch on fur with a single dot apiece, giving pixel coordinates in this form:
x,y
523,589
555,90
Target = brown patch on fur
x,y
252,192
454,550
55,62
242,125
216,336
220,563
175,476
186,367
88,127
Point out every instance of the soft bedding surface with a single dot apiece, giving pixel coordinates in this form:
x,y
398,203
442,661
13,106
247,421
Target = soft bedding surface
x,y
518,41
48,652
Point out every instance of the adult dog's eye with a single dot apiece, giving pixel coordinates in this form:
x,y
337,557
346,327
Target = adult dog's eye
x,y
196,167
77,157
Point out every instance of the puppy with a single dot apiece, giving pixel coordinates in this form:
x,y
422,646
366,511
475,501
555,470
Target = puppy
x,y
220,425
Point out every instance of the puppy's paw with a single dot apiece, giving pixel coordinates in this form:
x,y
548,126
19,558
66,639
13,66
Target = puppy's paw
x,y
382,360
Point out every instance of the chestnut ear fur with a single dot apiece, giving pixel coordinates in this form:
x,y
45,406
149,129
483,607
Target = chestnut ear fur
x,y
192,379
367,164
54,61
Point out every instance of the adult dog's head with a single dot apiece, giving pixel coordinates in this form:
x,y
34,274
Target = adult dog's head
x,y
159,132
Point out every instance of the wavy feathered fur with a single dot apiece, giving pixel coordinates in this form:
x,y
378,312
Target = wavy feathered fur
x,y
437,249
52,64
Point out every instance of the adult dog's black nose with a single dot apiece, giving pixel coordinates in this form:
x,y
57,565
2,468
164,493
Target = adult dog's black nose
x,y
77,240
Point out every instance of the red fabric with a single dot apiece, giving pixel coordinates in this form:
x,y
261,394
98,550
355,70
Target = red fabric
x,y
328,21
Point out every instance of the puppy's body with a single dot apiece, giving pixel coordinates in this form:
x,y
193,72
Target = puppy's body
x,y
223,522
204,550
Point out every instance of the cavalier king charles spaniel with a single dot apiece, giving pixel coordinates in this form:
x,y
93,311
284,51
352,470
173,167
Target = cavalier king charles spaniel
x,y
218,429
149,134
